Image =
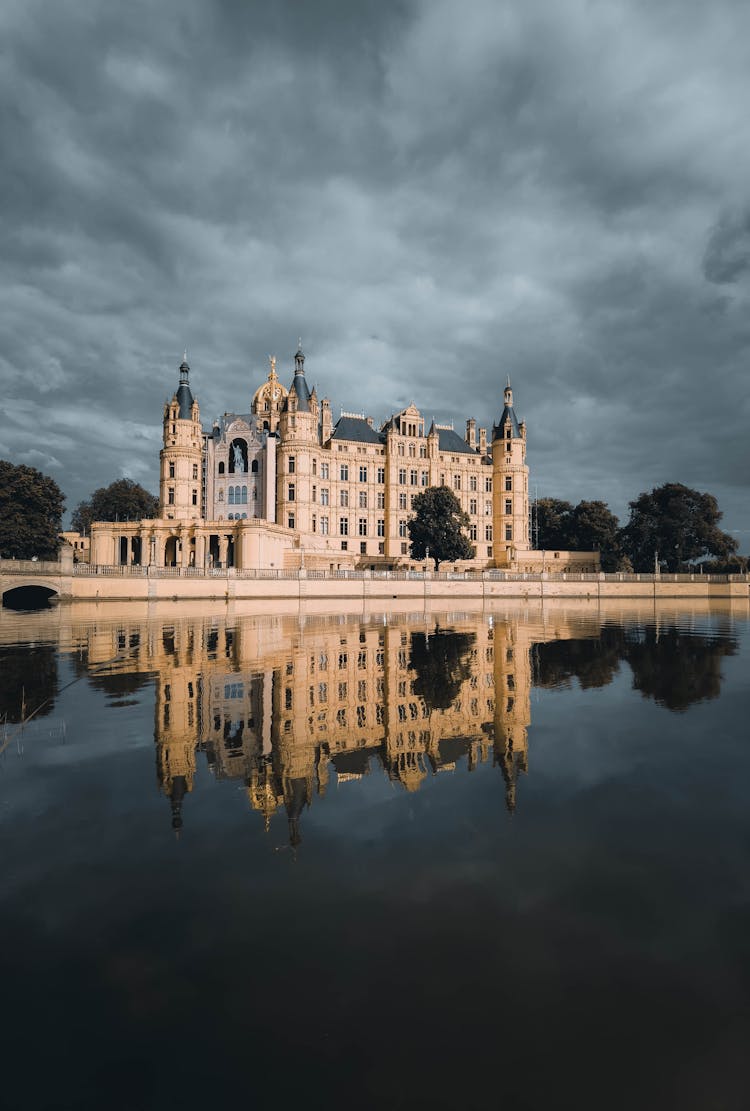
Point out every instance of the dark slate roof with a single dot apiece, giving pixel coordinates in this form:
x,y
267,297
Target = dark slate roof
x,y
448,440
508,417
302,390
357,429
185,401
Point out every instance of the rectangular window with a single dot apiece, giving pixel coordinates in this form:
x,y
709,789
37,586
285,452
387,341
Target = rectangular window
x,y
402,501
508,506
488,485
413,478
363,547
314,523
488,509
473,482
315,493
170,495
343,660
509,532
488,532
362,527
344,472
343,526
324,495
315,466
195,471
381,499
402,528
381,548
402,476
290,521
343,692
324,470
344,545
381,474
472,505
291,492
404,549
344,498
171,470
363,474
424,478
324,526
195,497
472,532
457,482
291,464
508,482
381,527
363,499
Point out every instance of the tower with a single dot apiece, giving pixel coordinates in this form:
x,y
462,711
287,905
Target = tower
x,y
510,485
181,458
299,436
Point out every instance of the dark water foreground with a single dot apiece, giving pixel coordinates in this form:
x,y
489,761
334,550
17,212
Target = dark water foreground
x,y
489,861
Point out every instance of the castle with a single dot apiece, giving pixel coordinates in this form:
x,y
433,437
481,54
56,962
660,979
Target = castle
x,y
284,487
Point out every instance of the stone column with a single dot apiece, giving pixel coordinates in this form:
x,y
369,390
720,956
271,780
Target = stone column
x,y
184,548
200,551
223,545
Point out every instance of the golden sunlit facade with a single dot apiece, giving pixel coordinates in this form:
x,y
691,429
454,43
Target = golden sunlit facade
x,y
283,486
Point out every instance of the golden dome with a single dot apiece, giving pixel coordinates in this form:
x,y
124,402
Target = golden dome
x,y
271,391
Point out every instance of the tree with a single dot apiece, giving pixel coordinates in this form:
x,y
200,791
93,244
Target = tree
x,y
589,527
594,528
678,524
123,500
553,524
31,506
435,528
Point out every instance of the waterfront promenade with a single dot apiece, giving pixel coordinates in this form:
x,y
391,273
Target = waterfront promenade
x,y
66,581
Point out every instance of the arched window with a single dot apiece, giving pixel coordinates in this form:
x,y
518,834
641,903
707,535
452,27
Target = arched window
x,y
244,496
237,495
244,516
266,426
231,516
221,468
254,467
230,495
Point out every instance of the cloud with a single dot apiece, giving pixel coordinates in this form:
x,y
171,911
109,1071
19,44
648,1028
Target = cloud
x,y
432,198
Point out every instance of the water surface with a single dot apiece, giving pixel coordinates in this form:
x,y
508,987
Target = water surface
x,y
453,860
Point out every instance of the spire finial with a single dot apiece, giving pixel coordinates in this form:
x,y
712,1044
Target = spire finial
x,y
272,361
508,382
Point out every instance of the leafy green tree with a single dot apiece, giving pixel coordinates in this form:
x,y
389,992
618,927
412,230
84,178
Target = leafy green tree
x,y
123,500
553,523
676,522
435,530
31,506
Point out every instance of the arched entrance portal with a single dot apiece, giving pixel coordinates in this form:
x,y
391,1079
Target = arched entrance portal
x,y
28,597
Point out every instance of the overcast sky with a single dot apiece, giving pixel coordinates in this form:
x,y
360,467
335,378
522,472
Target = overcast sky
x,y
432,194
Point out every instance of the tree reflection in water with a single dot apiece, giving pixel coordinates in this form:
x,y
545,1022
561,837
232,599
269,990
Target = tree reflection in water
x,y
442,662
673,666
28,681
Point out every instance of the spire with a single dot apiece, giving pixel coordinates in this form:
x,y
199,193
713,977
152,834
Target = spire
x,y
184,396
299,385
508,417
299,360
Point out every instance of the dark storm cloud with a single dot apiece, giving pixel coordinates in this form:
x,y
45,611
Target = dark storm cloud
x,y
432,195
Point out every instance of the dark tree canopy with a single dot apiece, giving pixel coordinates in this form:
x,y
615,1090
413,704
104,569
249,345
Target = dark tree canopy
x,y
442,661
553,524
31,505
437,527
676,522
123,500
590,526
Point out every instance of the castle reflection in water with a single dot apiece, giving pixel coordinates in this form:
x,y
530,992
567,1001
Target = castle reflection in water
x,y
279,707
285,704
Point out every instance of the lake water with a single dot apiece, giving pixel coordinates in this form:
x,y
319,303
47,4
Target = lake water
x,y
488,860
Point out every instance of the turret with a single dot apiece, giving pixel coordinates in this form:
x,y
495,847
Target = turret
x,y
510,485
181,458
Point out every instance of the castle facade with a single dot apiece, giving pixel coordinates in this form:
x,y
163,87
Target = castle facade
x,y
284,486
